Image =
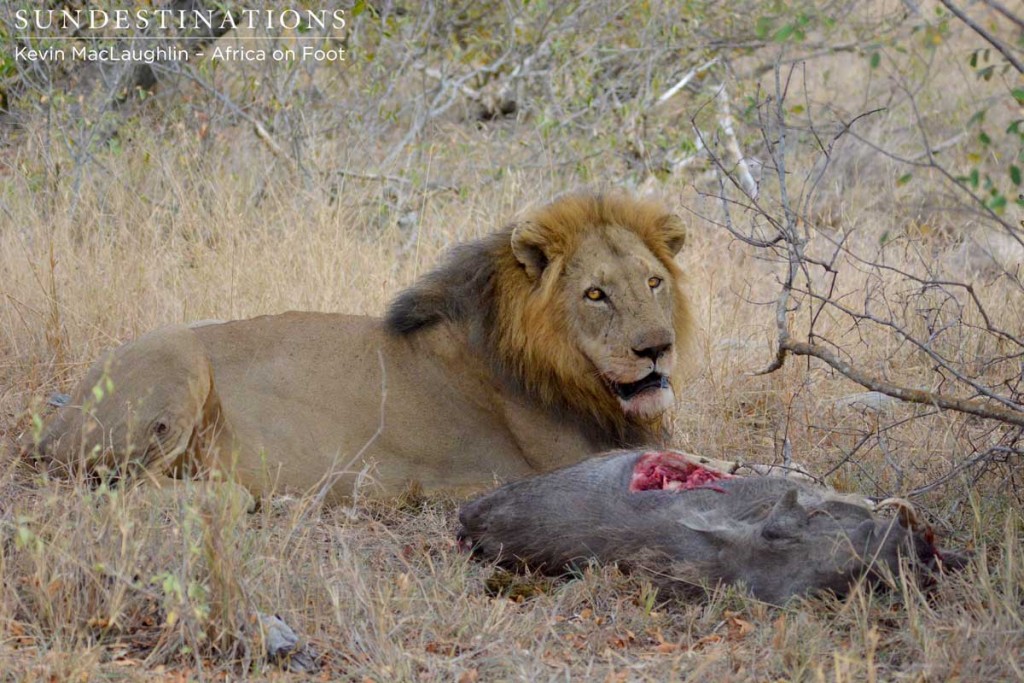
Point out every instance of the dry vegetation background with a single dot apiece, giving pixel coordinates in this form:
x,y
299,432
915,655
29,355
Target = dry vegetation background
x,y
238,189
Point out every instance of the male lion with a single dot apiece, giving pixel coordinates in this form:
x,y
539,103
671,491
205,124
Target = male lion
x,y
527,350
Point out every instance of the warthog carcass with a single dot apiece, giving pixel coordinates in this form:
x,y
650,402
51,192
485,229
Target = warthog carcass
x,y
688,526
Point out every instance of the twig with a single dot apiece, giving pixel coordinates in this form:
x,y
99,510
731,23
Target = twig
x,y
999,7
988,37
940,146
978,458
930,163
923,346
684,81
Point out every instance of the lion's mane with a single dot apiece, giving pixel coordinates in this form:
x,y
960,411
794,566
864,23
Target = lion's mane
x,y
518,322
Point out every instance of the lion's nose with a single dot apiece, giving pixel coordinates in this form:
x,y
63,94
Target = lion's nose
x,y
653,352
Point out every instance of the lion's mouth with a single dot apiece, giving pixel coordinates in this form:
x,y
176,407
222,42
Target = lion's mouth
x,y
629,390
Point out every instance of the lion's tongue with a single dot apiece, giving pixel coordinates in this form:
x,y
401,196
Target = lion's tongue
x,y
628,391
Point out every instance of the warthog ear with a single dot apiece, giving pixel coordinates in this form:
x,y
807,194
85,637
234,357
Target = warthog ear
x,y
713,525
674,233
786,518
528,246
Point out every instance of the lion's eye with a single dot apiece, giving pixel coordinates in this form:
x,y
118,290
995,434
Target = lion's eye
x,y
595,294
654,282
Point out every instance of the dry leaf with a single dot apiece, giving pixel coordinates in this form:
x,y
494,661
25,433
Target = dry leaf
x,y
444,649
739,628
706,640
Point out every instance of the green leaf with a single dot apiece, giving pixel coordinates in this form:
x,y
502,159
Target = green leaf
x,y
977,117
904,179
974,178
997,203
984,139
783,33
875,60
1015,174
796,109
763,27
1018,94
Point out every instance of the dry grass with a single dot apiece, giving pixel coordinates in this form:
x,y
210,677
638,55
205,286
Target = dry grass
x,y
115,585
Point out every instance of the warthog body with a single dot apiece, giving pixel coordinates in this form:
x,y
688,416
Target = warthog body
x,y
688,526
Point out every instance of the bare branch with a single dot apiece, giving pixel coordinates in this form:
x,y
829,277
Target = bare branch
x,y
971,407
986,36
1002,9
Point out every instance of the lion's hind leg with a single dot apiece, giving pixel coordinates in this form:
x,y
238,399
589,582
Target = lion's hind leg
x,y
138,407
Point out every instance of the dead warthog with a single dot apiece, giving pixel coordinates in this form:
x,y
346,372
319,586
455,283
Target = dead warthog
x,y
688,526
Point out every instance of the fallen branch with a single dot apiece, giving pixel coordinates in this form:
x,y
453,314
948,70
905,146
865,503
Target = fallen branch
x,y
495,101
684,81
381,177
732,145
261,132
460,84
267,139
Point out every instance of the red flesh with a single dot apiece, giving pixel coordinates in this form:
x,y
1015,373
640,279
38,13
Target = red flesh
x,y
667,471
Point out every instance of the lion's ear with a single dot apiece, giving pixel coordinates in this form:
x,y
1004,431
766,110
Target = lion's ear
x,y
673,231
528,243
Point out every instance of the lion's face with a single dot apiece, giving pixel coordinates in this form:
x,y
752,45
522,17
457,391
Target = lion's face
x,y
597,304
619,302
580,302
